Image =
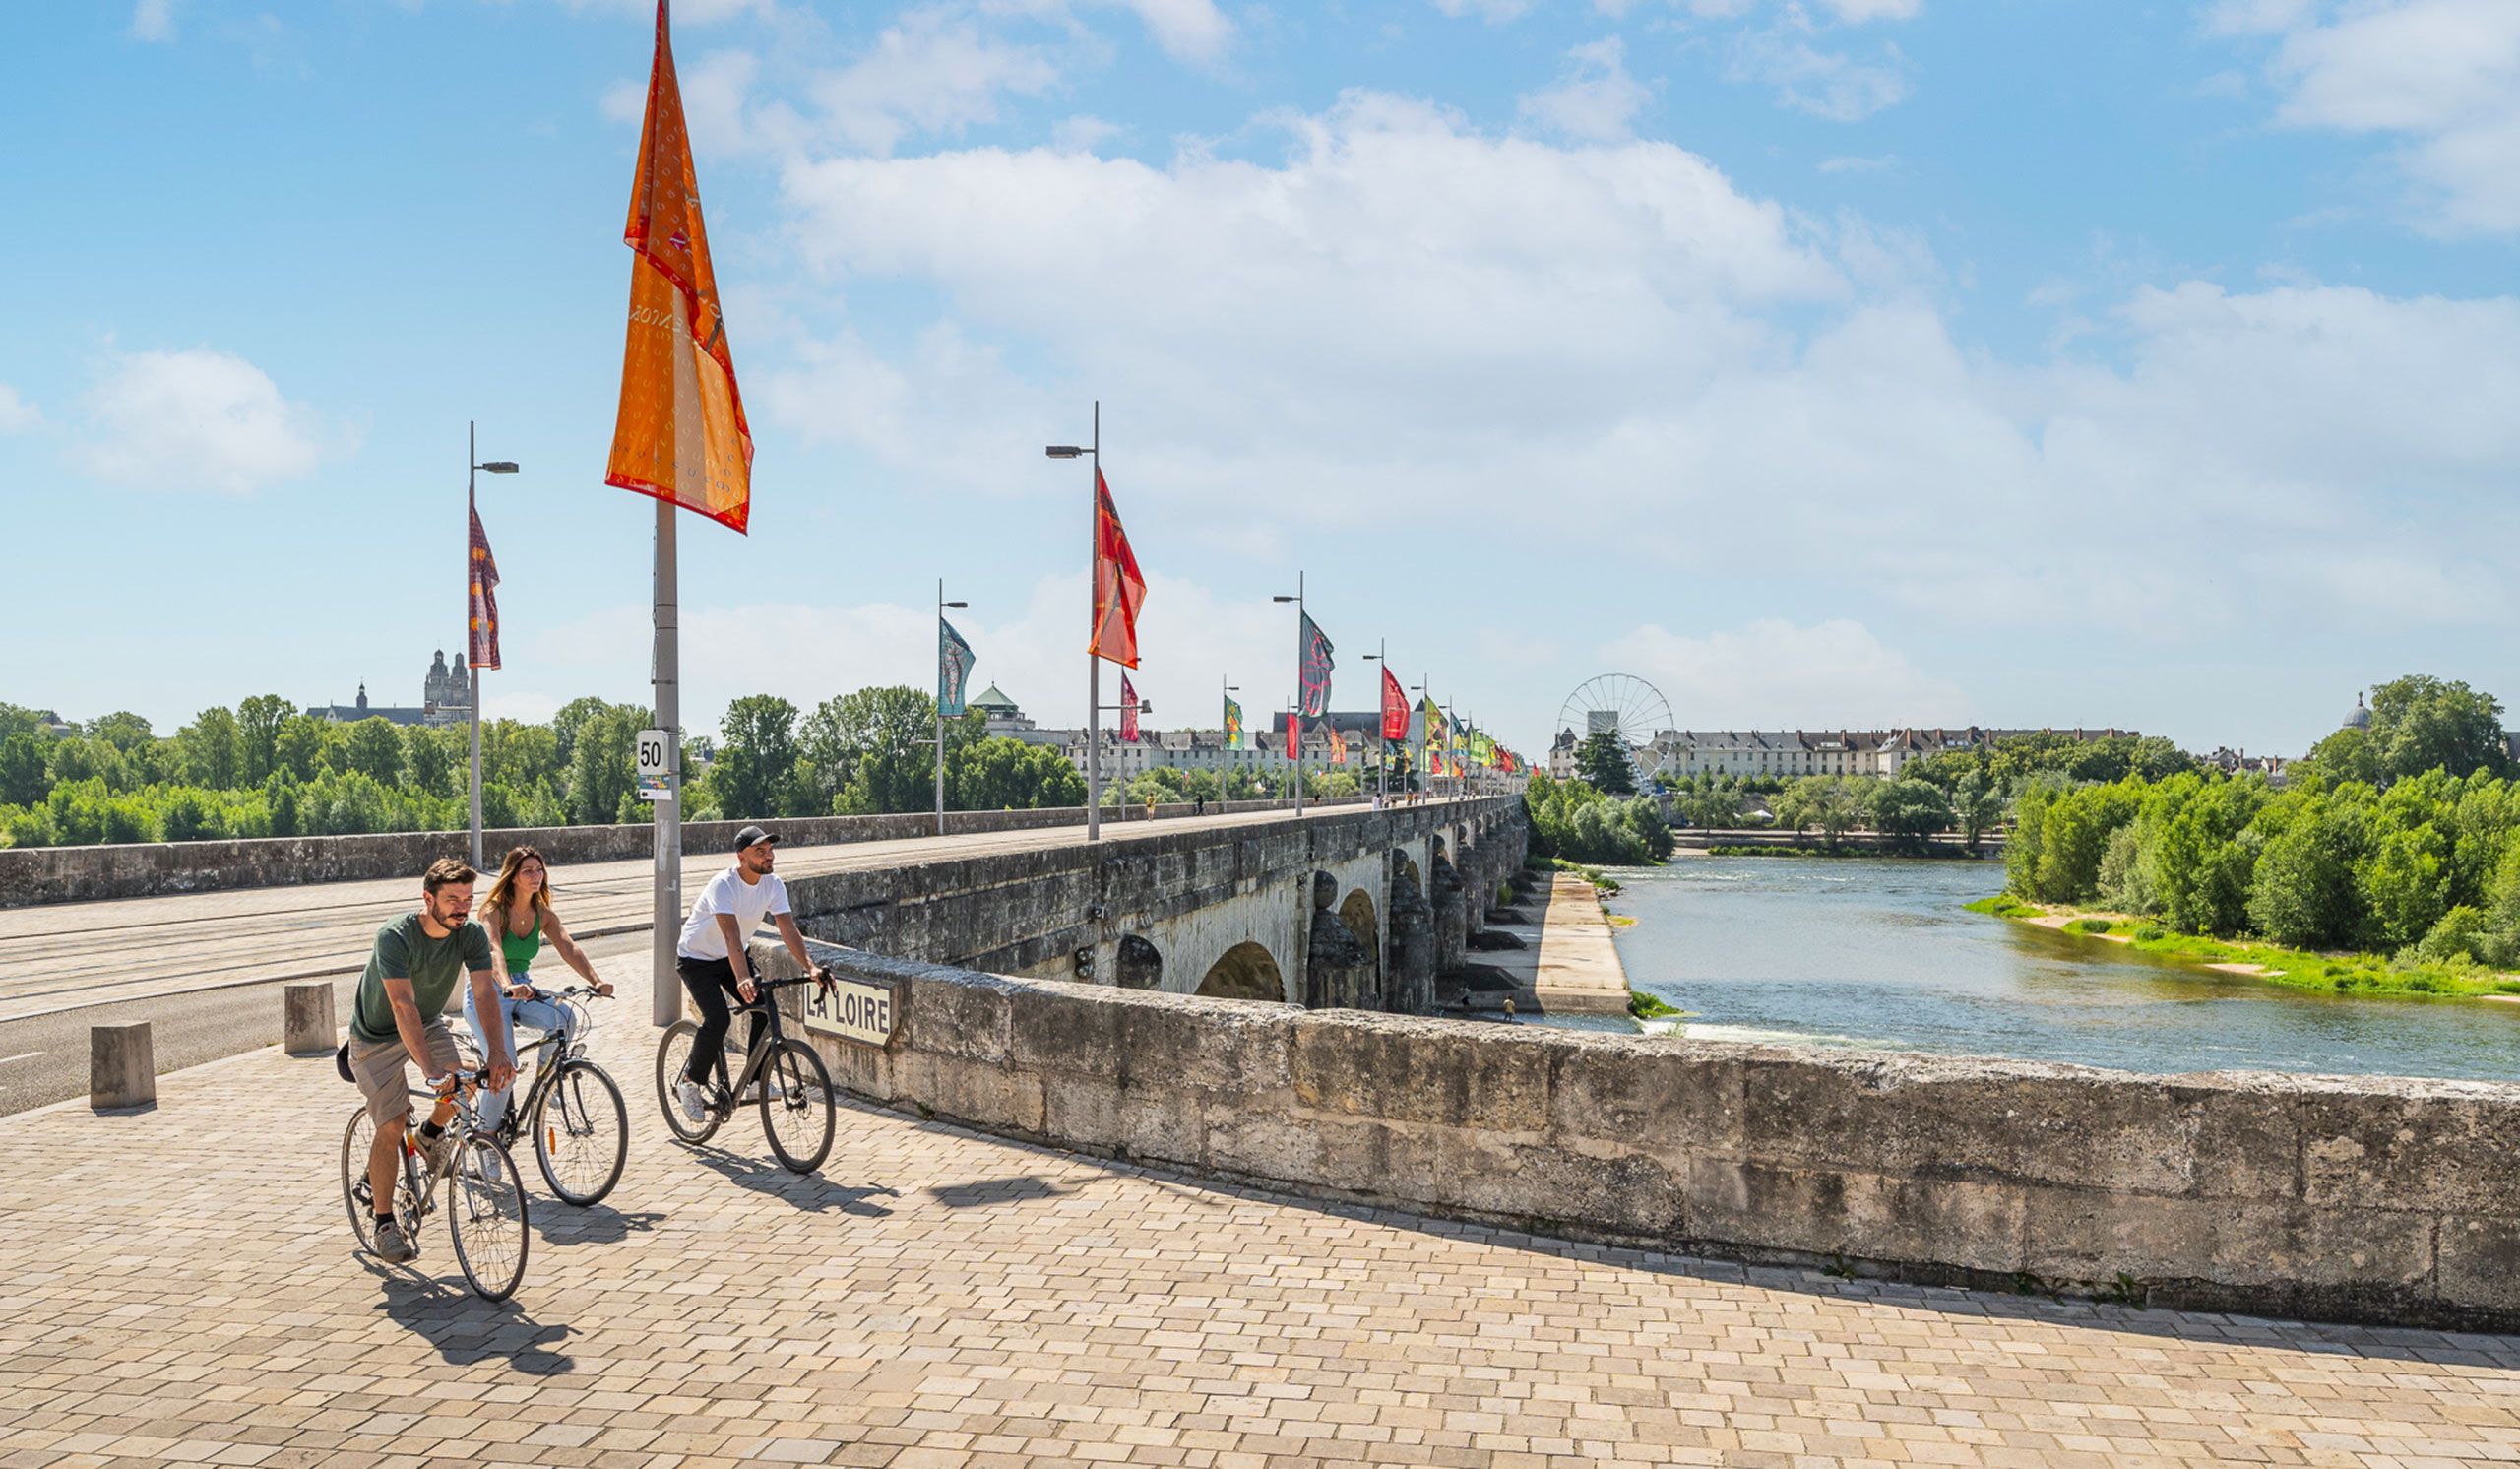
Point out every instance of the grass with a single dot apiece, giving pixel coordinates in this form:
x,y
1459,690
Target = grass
x,y
2297,969
1645,1006
1594,875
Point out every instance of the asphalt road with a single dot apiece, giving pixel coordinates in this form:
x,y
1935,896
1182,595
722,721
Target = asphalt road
x,y
43,1058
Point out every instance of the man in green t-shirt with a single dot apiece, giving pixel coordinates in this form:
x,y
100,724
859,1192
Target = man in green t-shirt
x,y
397,1018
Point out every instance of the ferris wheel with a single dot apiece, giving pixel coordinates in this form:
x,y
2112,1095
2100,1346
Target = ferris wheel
x,y
1623,704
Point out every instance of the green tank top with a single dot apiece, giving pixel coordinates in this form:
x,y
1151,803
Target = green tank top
x,y
521,952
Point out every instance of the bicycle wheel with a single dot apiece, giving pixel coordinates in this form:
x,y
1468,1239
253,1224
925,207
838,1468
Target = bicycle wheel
x,y
355,1192
485,1212
581,1133
673,1053
795,1106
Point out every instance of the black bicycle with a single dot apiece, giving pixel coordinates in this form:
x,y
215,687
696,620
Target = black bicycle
x,y
794,1087
581,1128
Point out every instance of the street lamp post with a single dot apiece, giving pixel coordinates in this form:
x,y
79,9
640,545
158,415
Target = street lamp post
x,y
1093,661
1225,695
1295,717
941,605
1382,748
472,458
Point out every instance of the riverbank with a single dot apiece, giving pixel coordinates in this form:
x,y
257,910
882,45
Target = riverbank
x,y
2347,974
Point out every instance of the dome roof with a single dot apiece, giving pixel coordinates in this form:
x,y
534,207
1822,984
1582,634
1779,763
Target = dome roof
x,y
2361,718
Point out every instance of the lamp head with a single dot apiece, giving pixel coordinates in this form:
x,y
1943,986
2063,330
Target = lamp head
x,y
497,467
1282,598
958,604
1063,451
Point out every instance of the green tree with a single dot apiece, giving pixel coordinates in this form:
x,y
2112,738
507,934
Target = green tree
x,y
1975,804
208,749
2302,893
304,745
437,759
874,750
572,717
1603,762
123,729
1911,810
603,757
2346,755
2420,723
259,720
374,749
22,780
2406,884
757,758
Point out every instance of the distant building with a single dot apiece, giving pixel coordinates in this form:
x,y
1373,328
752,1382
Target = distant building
x,y
1678,754
446,698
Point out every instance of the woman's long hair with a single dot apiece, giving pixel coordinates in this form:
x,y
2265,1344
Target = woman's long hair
x,y
505,885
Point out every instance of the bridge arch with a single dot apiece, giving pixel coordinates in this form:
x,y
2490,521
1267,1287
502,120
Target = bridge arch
x,y
1246,971
1140,965
1357,911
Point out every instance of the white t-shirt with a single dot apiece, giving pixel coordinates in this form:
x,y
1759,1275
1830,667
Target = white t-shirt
x,y
744,902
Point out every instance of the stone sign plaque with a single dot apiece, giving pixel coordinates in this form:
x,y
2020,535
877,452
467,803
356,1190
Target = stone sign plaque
x,y
850,1009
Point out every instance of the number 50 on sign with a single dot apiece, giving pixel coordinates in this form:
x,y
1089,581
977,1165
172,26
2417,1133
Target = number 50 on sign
x,y
655,765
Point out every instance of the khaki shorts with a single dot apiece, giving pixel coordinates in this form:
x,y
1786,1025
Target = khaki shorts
x,y
378,1070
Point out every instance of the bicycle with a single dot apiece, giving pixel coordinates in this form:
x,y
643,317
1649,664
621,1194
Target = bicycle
x,y
795,1086
484,1196
581,1126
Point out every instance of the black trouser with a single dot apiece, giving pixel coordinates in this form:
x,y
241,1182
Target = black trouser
x,y
710,981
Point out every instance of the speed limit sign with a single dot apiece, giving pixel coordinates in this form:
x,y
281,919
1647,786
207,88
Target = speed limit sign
x,y
655,765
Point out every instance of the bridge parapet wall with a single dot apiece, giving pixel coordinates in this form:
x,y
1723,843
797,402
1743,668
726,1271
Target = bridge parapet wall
x,y
31,876
1033,912
2370,1199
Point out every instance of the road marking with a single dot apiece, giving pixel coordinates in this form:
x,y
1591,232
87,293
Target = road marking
x,y
20,1056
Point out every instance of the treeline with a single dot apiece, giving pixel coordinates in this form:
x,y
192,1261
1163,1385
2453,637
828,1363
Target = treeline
x,y
2401,839
262,769
1581,823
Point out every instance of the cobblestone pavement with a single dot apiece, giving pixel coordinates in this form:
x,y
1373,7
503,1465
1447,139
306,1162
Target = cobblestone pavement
x,y
179,1286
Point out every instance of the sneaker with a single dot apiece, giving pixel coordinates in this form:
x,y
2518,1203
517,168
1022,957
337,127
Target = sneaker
x,y
752,1094
437,1150
393,1245
493,1171
694,1104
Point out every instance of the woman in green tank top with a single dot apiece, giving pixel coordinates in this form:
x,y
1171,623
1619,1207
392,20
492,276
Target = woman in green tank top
x,y
518,913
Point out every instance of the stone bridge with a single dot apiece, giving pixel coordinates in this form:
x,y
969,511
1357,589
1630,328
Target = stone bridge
x,y
1356,909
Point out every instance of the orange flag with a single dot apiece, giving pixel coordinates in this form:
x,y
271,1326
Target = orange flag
x,y
1118,589
680,434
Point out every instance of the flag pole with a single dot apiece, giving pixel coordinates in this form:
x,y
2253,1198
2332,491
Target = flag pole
x,y
940,706
1296,722
472,463
1094,660
666,997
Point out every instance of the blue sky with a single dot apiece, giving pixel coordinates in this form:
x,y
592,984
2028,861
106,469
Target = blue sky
x,y
1824,361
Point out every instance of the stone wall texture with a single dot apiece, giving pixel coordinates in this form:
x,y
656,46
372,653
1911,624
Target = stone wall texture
x,y
2369,1199
31,876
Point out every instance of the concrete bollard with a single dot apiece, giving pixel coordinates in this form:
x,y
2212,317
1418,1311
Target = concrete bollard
x,y
307,1020
122,1068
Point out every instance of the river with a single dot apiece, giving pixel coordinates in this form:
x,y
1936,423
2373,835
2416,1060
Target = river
x,y
1881,953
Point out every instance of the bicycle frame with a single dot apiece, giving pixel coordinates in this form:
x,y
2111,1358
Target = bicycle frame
x,y
546,1055
756,1054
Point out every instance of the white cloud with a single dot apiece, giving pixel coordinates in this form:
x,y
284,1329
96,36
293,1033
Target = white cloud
x,y
17,415
1774,673
1188,30
2443,74
1595,100
154,20
1493,12
1834,85
1849,163
1404,317
1857,12
685,12
927,74
194,420
1083,134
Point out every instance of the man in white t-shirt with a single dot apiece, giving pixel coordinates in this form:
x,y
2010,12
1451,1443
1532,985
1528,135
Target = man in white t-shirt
x,y
711,959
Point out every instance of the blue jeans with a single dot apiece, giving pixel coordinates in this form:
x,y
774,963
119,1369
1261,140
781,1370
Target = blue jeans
x,y
538,1012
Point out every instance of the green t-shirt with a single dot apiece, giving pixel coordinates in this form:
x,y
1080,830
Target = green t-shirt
x,y
404,951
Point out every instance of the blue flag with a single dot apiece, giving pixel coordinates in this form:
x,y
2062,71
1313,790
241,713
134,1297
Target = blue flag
x,y
954,662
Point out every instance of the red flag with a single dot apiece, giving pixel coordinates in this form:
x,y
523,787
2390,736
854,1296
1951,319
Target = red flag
x,y
481,576
1118,589
680,434
1395,708
1338,748
1128,710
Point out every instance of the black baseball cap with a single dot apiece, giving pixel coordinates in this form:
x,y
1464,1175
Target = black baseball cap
x,y
752,836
